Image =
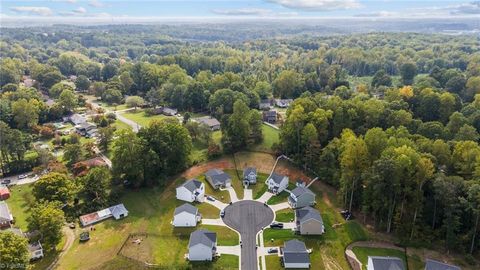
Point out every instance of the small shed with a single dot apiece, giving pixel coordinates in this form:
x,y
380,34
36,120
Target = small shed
x,y
118,211
4,193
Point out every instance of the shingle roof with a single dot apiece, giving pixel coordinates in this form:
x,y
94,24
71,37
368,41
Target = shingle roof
x,y
436,265
249,170
192,184
209,121
5,212
203,237
186,207
306,213
295,246
118,210
387,263
218,176
277,178
299,191
295,251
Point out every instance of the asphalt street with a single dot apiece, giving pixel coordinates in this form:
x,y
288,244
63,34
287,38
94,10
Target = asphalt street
x,y
248,218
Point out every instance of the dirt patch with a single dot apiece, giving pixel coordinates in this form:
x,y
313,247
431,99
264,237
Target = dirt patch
x,y
262,161
137,247
330,263
222,163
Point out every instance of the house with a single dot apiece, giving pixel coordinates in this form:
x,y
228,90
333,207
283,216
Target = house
x,y
218,178
169,111
4,193
190,191
117,212
277,183
249,176
295,254
301,197
186,215
202,245
36,250
265,104
6,217
209,121
309,221
75,119
283,103
436,265
269,116
86,129
385,263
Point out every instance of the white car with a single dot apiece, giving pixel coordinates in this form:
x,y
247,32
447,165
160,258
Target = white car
x,y
22,176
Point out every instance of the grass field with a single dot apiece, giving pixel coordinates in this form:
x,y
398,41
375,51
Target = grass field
x,y
199,151
20,202
362,254
119,125
141,118
270,136
114,108
285,215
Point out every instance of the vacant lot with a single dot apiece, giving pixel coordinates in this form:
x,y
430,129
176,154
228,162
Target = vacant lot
x,y
141,118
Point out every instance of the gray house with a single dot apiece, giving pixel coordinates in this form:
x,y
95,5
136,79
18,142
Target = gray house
x,y
301,197
309,221
249,176
385,263
6,217
218,178
186,215
436,265
202,245
209,121
269,116
295,255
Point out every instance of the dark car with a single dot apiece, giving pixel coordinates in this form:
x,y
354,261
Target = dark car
x,y
276,225
222,213
347,215
84,236
272,250
210,198
6,181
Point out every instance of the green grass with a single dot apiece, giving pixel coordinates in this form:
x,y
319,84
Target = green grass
x,y
208,210
200,149
141,118
119,125
114,108
362,254
273,262
20,202
285,215
276,199
260,187
236,182
270,136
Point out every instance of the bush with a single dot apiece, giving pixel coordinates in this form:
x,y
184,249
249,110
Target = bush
x,y
214,151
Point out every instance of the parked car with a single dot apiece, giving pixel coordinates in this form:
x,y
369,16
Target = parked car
x,y
222,213
276,225
22,176
210,198
84,236
272,250
6,181
347,215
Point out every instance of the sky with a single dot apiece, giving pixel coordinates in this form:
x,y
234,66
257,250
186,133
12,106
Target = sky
x,y
145,10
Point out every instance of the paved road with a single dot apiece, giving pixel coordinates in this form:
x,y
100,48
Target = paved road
x,y
248,218
15,181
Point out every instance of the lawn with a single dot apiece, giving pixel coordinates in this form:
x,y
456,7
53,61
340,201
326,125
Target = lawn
x,y
276,199
114,108
236,182
362,254
270,136
141,118
260,187
285,215
119,125
20,201
199,151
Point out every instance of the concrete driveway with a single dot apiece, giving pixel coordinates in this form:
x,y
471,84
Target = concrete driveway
x,y
218,204
247,194
280,206
265,197
248,218
232,250
209,221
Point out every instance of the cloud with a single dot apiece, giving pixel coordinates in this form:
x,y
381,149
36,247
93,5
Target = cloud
x,y
243,12
466,8
68,1
79,10
382,13
41,11
318,5
96,3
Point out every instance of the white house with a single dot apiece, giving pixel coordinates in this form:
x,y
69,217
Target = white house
x,y
381,263
36,251
295,255
186,215
190,191
202,245
277,183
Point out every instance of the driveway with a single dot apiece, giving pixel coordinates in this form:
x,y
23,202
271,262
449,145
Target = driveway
x,y
233,194
248,218
232,250
218,204
247,194
135,127
15,181
280,206
265,197
209,221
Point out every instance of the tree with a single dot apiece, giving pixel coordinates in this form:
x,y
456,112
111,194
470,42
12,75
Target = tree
x,y
408,71
73,153
48,219
155,97
381,78
127,160
109,71
54,187
456,84
235,133
288,84
82,83
134,101
221,102
105,135
472,87
14,253
263,89
58,88
96,188
25,113
474,204
68,100
467,133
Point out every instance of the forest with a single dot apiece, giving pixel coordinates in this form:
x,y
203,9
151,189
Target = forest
x,y
392,120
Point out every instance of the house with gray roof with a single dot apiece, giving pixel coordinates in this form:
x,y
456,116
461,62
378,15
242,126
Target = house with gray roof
x,y
385,263
295,254
191,191
249,176
202,245
269,116
6,217
283,103
301,197
277,183
118,211
186,215
36,250
209,121
75,119
436,265
169,111
309,221
218,178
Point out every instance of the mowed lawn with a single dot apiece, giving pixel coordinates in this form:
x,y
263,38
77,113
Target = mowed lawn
x,y
270,137
150,211
327,249
362,254
141,118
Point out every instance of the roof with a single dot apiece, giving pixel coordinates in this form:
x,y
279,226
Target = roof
x,y
118,209
93,162
4,191
5,212
86,125
209,121
296,258
300,190
218,176
295,251
203,237
186,207
277,178
192,184
307,213
77,118
249,170
34,246
386,263
436,265
294,246
270,113
169,110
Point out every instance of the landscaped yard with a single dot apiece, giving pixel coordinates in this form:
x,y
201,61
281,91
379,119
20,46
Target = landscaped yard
x,y
20,201
119,125
285,215
362,254
141,118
